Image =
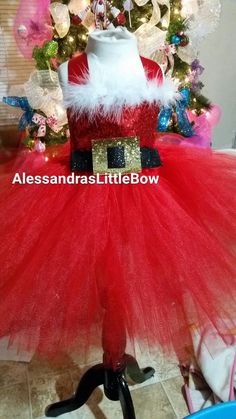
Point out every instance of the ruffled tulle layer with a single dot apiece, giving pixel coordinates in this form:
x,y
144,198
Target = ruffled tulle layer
x,y
157,259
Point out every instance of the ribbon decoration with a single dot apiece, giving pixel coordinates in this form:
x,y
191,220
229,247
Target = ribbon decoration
x,y
164,56
45,94
61,17
76,6
42,122
185,127
149,37
21,102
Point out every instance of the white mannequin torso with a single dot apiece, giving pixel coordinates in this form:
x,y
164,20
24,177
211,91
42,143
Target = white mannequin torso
x,y
114,49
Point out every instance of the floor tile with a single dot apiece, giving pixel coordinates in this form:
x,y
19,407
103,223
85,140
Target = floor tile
x,y
93,356
39,367
14,402
49,389
166,367
150,403
12,373
173,390
50,382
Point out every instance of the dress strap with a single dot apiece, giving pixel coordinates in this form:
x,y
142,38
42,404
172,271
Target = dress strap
x,y
153,70
78,68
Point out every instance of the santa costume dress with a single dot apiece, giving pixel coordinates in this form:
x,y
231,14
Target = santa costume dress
x,y
148,259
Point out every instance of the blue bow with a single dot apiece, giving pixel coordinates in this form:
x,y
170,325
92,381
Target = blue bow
x,y
185,127
21,102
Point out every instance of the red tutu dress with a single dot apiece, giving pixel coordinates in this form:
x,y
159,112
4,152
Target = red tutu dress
x,y
148,259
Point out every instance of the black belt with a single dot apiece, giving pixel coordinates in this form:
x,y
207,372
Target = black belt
x,y
81,160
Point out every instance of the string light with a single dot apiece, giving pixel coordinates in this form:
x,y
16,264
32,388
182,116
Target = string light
x,y
164,23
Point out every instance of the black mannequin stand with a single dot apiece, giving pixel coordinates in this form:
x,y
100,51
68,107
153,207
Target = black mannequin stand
x,y
114,383
111,374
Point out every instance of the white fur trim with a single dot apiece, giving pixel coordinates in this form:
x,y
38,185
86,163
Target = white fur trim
x,y
103,92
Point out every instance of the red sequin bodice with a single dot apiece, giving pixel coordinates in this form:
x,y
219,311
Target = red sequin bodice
x,y
139,120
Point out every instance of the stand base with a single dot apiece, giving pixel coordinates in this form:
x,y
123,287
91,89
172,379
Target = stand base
x,y
115,387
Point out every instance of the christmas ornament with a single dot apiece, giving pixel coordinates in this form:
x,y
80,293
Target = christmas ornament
x,y
175,39
184,41
196,71
120,20
39,147
197,67
22,31
21,102
76,20
179,39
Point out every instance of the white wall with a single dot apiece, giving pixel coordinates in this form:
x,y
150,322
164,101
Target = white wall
x,y
218,56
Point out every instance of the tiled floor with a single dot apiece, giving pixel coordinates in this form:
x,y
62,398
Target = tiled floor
x,y
26,389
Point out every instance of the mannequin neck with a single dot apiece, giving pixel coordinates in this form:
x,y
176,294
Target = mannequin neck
x,y
110,44
115,48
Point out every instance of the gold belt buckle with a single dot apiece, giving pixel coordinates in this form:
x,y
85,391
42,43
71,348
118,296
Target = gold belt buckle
x,y
116,155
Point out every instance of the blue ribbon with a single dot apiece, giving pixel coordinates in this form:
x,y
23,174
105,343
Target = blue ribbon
x,y
21,102
185,127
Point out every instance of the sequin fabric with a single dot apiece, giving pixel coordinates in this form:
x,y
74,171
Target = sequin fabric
x,y
138,121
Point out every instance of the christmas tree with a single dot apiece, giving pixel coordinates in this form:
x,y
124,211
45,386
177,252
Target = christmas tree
x,y
168,31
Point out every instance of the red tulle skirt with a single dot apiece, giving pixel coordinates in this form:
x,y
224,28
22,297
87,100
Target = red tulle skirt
x,y
148,260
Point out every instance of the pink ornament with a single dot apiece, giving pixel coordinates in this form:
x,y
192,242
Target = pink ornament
x,y
39,147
